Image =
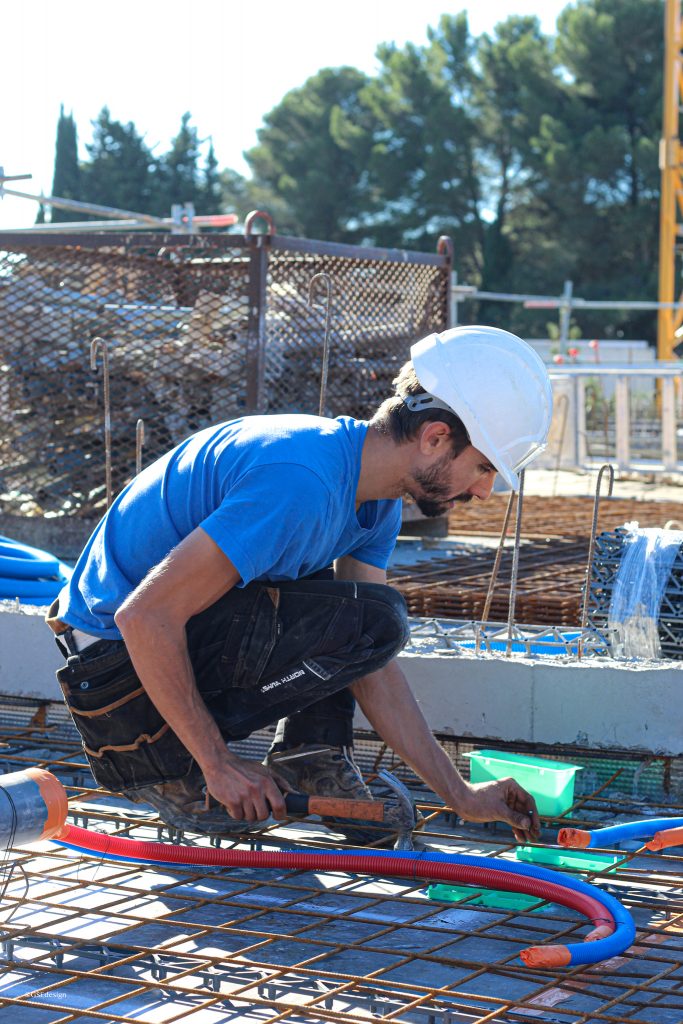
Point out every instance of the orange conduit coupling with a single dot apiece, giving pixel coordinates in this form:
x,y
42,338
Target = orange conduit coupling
x,y
574,838
659,833
666,838
546,956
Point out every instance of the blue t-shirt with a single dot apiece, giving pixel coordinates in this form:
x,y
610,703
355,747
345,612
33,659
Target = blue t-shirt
x,y
277,494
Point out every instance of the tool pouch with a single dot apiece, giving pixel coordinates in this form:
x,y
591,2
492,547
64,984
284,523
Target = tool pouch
x,y
127,742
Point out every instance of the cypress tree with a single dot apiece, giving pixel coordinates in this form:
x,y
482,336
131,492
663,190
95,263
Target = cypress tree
x,y
66,182
209,198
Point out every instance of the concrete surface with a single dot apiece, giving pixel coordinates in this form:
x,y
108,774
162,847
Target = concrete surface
x,y
645,486
594,703
29,656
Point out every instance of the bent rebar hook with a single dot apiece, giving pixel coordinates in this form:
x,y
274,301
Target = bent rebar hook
x,y
95,344
609,469
139,442
515,564
326,280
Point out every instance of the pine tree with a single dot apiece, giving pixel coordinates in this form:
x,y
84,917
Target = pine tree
x,y
304,155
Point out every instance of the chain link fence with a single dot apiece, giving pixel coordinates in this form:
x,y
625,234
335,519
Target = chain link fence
x,y
198,330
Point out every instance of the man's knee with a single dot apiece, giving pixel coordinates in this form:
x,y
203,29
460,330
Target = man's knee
x,y
386,614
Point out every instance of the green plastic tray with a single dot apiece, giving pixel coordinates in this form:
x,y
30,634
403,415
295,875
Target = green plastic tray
x,y
551,783
573,860
497,899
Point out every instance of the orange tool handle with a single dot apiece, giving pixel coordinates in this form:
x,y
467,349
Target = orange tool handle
x,y
334,807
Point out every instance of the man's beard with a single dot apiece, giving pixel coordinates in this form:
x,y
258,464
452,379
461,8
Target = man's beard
x,y
436,497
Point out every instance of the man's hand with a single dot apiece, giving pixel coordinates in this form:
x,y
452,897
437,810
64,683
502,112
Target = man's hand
x,y
152,621
502,800
247,789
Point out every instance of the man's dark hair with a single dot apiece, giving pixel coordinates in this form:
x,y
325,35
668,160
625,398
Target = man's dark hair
x,y
394,419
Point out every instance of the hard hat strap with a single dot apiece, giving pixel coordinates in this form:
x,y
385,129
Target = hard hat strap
x,y
425,402
534,452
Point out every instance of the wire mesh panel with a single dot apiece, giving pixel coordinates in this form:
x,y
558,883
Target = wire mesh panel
x,y
380,303
173,315
196,330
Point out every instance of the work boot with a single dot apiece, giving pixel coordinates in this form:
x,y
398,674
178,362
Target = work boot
x,y
320,770
182,804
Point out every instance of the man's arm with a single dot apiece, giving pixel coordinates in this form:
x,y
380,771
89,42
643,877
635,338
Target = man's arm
x,y
152,622
389,705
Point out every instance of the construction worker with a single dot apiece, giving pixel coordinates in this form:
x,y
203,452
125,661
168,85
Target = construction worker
x,y
202,607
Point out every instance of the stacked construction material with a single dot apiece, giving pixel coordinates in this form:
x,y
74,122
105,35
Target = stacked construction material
x,y
610,549
553,559
569,516
29,575
549,585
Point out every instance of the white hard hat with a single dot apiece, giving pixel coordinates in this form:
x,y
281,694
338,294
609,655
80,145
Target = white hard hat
x,y
498,386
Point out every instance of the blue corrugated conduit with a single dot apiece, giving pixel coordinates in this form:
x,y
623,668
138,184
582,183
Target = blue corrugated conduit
x,y
654,829
29,574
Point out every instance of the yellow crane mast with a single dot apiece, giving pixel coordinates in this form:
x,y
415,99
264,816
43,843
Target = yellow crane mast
x,y
671,166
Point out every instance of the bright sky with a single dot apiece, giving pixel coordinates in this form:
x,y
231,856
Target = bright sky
x,y
149,61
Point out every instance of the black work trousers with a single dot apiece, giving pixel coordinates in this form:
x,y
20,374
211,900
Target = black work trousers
x,y
260,653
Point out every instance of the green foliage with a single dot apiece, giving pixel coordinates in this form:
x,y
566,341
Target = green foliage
x,y
536,153
421,177
177,177
242,195
119,171
307,156
553,331
209,195
598,154
66,182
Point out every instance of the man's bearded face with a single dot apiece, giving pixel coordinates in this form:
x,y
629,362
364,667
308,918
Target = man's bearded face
x,y
432,490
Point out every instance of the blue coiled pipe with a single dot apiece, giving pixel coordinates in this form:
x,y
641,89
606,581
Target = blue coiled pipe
x,y
29,574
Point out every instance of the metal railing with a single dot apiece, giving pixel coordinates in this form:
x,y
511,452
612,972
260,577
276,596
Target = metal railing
x,y
583,435
635,439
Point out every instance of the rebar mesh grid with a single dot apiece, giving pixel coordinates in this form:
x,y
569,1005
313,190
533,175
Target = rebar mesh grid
x,y
84,939
549,585
552,568
198,330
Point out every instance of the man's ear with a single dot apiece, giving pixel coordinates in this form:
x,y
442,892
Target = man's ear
x,y
435,438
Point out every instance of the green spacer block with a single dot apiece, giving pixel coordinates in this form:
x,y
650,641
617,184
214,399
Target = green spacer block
x,y
573,860
496,899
